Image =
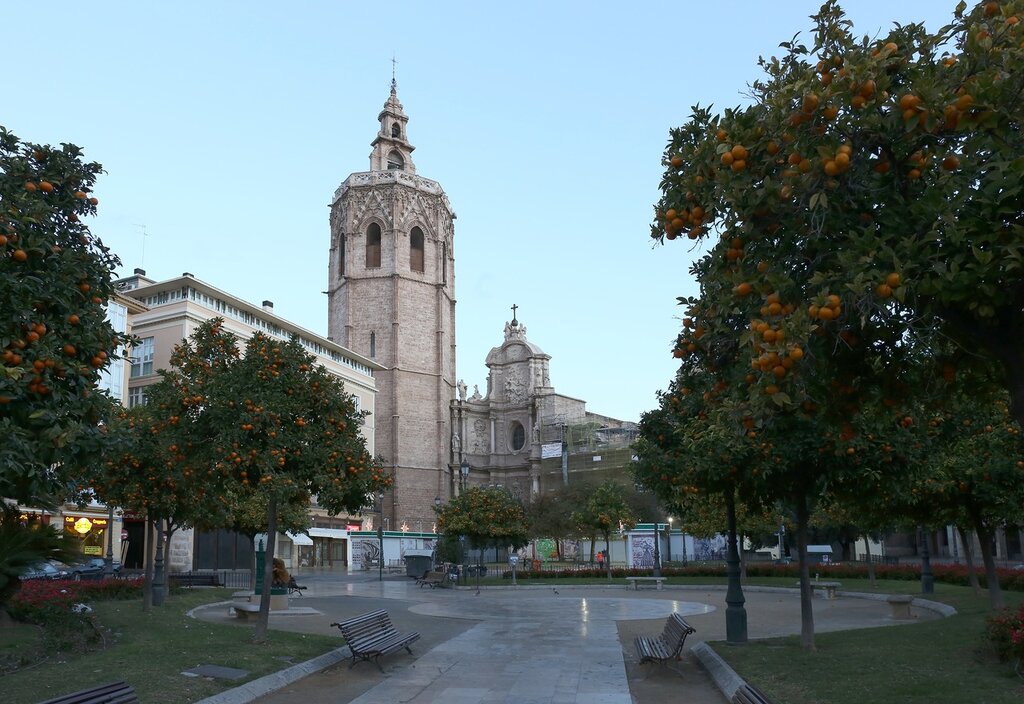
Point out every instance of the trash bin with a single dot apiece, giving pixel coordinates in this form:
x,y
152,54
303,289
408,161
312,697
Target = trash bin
x,y
418,562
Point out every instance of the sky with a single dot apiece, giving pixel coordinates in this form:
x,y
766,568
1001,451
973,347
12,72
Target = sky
x,y
224,129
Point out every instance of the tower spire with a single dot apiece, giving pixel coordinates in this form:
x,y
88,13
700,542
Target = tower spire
x,y
394,81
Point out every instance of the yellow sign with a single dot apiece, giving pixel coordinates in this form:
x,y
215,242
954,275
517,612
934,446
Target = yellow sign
x,y
83,525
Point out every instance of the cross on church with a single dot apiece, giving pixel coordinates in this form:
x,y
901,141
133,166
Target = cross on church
x,y
514,308
394,64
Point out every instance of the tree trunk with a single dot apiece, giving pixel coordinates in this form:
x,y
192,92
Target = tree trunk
x,y
972,575
252,569
806,591
608,554
147,584
871,565
260,636
995,593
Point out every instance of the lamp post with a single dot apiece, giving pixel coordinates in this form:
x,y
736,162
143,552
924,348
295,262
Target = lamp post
x,y
108,563
668,545
380,538
927,578
463,475
657,550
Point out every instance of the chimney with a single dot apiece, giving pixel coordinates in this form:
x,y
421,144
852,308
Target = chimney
x,y
140,272
188,274
268,306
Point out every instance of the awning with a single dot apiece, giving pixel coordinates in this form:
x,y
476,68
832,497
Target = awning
x,y
300,538
336,533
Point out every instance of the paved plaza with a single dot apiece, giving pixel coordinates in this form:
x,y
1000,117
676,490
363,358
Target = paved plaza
x,y
528,644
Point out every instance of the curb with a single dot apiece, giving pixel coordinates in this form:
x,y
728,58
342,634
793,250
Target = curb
x,y
277,680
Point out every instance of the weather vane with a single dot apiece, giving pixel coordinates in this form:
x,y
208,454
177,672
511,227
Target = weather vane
x,y
394,63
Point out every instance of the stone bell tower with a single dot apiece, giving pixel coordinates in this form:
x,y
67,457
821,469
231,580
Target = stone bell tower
x,y
391,297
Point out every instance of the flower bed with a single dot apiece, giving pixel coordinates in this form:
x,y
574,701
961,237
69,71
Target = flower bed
x,y
1009,580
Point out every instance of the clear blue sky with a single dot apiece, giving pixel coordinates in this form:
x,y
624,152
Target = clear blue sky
x,y
225,127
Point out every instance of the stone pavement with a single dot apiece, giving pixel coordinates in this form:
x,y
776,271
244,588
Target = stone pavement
x,y
552,645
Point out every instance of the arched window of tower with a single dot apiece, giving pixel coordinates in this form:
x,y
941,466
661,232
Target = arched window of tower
x,y
395,161
396,131
416,249
373,246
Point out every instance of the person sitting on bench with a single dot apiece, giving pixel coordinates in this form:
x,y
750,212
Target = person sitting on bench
x,y
294,587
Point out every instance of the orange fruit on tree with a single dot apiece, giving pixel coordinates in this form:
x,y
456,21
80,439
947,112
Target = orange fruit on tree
x,y
739,165
676,161
19,255
744,289
909,101
951,163
46,187
739,152
30,187
883,291
893,279
727,158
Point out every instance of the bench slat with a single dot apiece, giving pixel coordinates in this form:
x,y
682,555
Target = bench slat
x,y
749,694
112,693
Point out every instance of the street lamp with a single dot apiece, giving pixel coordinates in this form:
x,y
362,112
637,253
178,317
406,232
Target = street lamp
x,y
463,474
380,538
657,550
669,544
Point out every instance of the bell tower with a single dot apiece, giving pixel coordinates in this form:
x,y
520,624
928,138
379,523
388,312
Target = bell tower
x,y
391,297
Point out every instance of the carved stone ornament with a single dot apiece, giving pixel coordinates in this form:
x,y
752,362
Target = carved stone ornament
x,y
515,388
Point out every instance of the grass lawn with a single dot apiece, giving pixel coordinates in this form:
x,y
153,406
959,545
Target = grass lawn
x,y
944,661
150,651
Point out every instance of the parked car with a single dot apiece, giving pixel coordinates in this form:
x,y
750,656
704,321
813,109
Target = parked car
x,y
91,568
43,570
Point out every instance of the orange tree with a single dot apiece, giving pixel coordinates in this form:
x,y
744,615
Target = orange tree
x,y
55,341
979,480
485,516
268,425
710,437
283,426
870,192
848,230
604,511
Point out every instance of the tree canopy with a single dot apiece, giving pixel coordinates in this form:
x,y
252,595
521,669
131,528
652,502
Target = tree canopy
x,y
55,340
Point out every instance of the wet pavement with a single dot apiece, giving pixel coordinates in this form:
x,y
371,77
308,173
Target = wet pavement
x,y
529,644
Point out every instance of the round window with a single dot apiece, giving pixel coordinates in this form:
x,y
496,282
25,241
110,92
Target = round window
x,y
518,434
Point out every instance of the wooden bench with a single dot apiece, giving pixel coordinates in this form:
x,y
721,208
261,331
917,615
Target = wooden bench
x,y
371,636
635,581
667,646
749,694
830,588
433,579
195,579
113,693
